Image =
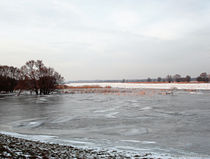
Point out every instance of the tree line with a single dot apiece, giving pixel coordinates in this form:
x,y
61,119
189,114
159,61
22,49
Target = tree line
x,y
203,77
34,76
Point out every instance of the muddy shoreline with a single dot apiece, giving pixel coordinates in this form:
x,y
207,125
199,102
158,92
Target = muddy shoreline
x,y
12,147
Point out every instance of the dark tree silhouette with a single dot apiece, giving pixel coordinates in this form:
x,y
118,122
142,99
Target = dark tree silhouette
x,y
169,78
203,77
48,80
187,78
159,79
35,76
149,79
9,77
177,78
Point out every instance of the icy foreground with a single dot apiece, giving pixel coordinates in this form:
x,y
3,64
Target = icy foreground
x,y
13,145
181,86
153,124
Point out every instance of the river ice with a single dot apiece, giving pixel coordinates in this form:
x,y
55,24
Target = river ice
x,y
177,124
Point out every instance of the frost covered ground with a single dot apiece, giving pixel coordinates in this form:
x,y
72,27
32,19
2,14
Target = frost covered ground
x,y
13,145
17,147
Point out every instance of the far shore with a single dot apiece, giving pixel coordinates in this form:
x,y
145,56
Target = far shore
x,y
140,88
145,85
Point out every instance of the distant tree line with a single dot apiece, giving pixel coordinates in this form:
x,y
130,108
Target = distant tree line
x,y
177,78
203,77
34,76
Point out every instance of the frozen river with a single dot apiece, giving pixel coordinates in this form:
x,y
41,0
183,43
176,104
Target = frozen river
x,y
176,124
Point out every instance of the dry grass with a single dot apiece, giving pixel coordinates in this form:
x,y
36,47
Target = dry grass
x,y
79,87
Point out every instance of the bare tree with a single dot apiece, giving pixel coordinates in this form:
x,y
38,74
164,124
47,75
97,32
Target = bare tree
x,y
159,79
169,78
30,76
35,76
177,78
203,77
48,80
8,78
187,78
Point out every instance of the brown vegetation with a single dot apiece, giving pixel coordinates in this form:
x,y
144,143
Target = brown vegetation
x,y
9,77
33,76
77,87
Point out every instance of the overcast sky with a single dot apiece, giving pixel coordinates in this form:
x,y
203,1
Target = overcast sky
x,y
108,39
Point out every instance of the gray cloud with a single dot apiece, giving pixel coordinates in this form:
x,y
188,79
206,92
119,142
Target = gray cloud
x,y
108,39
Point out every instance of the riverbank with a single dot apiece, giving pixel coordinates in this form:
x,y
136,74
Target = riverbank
x,y
12,147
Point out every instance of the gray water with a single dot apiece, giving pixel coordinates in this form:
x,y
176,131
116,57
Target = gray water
x,y
175,124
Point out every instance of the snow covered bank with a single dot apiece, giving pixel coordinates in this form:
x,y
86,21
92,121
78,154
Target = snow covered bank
x,y
190,86
13,145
